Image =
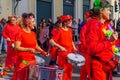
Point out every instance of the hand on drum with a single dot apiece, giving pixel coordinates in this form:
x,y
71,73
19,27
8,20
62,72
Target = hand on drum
x,y
47,54
43,52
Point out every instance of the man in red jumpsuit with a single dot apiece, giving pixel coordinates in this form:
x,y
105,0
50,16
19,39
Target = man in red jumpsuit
x,y
63,40
99,55
9,33
82,46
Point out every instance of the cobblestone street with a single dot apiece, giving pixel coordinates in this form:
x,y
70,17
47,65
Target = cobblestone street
x,y
75,73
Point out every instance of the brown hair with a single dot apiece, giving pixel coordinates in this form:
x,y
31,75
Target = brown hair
x,y
103,4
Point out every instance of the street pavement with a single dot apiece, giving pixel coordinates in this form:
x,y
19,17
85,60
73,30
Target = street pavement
x,y
74,77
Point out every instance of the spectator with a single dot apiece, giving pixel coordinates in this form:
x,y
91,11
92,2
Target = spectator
x,y
44,36
74,27
50,24
3,43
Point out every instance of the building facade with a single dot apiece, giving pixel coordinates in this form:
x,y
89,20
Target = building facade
x,y
50,8
6,8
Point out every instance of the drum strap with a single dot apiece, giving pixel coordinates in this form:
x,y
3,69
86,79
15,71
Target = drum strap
x,y
96,58
91,71
91,58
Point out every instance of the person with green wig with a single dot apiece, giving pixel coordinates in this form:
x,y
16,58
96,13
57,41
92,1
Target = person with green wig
x,y
100,59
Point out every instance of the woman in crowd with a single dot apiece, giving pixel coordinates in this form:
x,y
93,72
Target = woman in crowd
x,y
63,40
44,36
26,47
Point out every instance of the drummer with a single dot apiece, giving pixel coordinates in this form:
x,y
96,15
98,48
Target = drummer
x,y
26,47
53,49
100,56
82,46
63,40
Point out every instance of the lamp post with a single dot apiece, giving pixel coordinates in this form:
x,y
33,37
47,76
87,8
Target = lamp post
x,y
17,2
116,10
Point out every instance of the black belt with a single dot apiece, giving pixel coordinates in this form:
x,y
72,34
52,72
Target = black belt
x,y
96,58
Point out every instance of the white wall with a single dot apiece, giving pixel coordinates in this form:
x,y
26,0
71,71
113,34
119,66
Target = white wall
x,y
79,10
23,6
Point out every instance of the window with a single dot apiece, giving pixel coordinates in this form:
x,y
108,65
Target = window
x,y
47,0
86,6
68,7
68,2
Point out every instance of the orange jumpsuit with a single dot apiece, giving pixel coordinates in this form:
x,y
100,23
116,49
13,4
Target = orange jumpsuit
x,y
64,38
10,31
28,40
97,45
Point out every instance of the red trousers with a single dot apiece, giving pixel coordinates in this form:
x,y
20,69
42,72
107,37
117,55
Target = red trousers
x,y
97,72
83,73
11,57
53,53
68,68
21,74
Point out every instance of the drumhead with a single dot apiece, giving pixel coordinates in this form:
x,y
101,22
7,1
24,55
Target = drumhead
x,y
39,60
76,57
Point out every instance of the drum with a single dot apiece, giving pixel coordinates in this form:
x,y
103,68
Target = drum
x,y
39,60
76,59
48,73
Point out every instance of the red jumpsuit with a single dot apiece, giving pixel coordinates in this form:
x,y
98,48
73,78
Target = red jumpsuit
x,y
10,31
97,45
64,38
53,50
28,40
82,49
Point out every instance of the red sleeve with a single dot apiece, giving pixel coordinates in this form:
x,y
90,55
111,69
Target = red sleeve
x,y
19,36
96,41
53,31
5,32
56,36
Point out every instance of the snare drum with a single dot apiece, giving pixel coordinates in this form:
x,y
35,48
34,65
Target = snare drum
x,y
76,59
39,60
48,73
